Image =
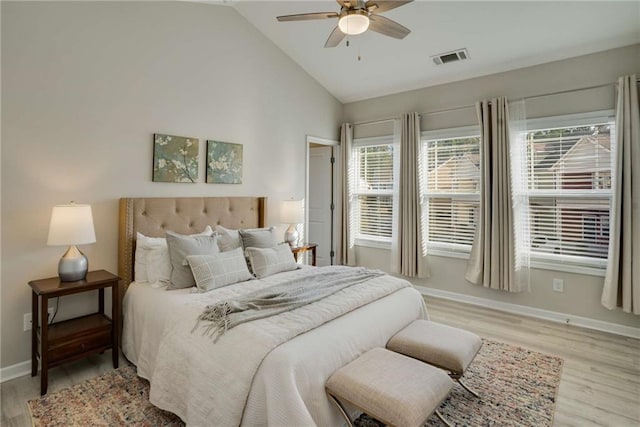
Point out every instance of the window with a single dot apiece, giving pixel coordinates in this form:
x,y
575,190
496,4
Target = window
x,y
569,169
450,186
373,176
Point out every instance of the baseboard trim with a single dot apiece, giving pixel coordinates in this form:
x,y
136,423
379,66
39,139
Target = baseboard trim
x,y
553,316
14,371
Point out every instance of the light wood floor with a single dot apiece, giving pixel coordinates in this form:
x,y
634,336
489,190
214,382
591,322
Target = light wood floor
x,y
600,384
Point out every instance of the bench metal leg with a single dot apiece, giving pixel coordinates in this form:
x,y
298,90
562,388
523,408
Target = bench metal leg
x,y
443,419
458,378
341,409
466,387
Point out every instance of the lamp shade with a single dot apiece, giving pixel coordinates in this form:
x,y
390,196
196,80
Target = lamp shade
x,y
71,225
291,212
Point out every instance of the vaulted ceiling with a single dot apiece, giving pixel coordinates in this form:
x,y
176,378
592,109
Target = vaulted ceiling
x,y
499,36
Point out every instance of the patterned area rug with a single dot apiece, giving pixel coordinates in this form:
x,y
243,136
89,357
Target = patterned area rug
x,y
517,387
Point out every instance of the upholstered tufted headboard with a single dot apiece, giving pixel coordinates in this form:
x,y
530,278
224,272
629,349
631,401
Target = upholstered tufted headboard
x,y
186,215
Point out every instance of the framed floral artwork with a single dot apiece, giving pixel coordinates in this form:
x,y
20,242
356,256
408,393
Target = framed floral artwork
x,y
175,158
224,163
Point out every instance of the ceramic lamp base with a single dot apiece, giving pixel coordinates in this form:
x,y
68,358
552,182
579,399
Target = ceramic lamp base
x,y
291,236
73,265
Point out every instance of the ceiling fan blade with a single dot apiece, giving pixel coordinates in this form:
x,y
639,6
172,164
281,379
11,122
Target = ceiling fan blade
x,y
335,38
386,26
307,16
379,6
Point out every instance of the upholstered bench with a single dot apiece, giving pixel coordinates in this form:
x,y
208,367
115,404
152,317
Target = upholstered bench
x,y
439,345
394,389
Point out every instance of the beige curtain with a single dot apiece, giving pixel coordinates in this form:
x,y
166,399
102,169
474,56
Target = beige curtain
x,y
492,260
622,279
346,251
408,254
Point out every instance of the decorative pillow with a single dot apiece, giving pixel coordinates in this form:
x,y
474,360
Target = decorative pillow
x,y
268,261
216,271
228,240
144,269
180,247
258,238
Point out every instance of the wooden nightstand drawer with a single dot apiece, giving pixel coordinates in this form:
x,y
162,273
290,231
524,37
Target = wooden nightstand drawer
x,y
79,347
75,338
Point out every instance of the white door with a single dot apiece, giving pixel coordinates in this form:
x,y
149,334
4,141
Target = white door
x,y
319,203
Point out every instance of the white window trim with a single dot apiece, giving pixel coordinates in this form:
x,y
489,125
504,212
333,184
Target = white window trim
x,y
571,120
371,242
374,241
449,250
450,133
372,140
553,262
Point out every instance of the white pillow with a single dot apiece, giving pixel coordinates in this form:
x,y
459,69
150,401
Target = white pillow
x,y
152,269
143,245
158,266
218,270
267,261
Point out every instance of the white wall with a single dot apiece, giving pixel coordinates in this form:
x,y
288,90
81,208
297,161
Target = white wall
x,y
581,295
86,84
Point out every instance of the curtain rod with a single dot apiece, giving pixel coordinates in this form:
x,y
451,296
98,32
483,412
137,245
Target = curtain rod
x,y
375,122
464,107
570,90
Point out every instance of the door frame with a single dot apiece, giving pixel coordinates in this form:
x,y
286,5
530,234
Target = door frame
x,y
335,190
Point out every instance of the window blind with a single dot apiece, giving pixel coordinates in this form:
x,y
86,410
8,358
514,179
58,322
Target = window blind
x,y
373,191
450,185
569,184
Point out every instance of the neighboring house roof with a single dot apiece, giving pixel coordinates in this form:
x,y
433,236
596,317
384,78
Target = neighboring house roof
x,y
561,150
472,159
590,141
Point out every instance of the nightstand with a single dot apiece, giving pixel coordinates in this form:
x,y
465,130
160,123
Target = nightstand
x,y
297,250
77,338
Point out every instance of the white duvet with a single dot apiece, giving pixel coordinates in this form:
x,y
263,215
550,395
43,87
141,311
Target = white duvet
x,y
228,383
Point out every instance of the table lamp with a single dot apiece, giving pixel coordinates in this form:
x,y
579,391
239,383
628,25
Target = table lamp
x,y
291,213
71,225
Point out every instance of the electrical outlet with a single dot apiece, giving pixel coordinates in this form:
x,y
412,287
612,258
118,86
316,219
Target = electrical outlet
x,y
28,319
558,285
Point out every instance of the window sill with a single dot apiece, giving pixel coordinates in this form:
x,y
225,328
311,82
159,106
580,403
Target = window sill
x,y
537,263
370,243
447,253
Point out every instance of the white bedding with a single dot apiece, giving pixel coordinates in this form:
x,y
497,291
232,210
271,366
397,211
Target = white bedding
x,y
288,388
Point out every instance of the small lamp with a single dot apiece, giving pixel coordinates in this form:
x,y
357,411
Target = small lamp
x,y
291,213
71,225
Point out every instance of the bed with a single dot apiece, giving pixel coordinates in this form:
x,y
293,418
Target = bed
x,y
267,372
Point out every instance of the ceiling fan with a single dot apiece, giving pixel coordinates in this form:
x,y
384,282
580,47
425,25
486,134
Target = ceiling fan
x,y
355,17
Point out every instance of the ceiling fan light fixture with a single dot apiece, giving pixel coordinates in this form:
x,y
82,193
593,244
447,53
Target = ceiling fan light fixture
x,y
354,22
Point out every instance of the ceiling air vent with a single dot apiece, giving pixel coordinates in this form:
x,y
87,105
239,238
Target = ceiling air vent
x,y
454,56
